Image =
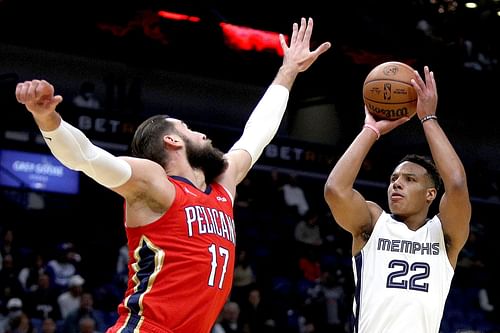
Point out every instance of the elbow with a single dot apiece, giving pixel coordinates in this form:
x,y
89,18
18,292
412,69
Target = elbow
x,y
456,182
456,187
331,190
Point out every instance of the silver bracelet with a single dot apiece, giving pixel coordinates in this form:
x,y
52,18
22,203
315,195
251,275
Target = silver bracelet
x,y
428,117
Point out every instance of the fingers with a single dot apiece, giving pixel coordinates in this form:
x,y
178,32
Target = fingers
x,y
24,90
308,28
302,33
401,121
295,28
19,92
31,90
418,83
302,30
429,79
322,48
429,85
283,44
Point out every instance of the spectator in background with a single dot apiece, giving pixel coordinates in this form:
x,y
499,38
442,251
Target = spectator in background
x,y
20,324
48,326
63,266
256,313
230,320
310,266
72,322
294,196
244,277
8,246
7,242
15,319
41,301
87,324
326,305
10,286
307,233
70,299
122,265
28,275
86,97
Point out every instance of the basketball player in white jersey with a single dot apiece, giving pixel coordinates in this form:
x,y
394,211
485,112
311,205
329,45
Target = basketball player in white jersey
x,y
403,261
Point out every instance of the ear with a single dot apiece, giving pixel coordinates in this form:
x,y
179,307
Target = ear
x,y
431,194
172,140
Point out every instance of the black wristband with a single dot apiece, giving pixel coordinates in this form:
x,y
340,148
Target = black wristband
x,y
428,117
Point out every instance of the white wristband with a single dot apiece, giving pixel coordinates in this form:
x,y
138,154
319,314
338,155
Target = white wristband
x,y
73,149
264,121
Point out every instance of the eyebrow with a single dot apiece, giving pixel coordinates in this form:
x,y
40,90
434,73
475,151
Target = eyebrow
x,y
405,174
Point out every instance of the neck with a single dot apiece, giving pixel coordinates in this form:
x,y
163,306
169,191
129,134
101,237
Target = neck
x,y
198,179
195,176
413,222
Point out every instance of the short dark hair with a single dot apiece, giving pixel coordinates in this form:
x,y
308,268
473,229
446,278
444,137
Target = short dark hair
x,y
147,141
428,164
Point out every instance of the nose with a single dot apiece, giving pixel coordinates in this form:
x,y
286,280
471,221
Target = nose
x,y
396,183
202,135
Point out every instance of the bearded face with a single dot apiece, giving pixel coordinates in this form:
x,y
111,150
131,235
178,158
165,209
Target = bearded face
x,y
207,158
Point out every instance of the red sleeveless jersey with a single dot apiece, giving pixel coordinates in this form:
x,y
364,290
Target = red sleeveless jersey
x,y
181,266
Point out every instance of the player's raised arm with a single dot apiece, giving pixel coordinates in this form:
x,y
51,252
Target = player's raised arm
x,y
265,119
66,142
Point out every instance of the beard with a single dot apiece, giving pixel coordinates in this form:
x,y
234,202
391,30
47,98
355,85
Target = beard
x,y
206,158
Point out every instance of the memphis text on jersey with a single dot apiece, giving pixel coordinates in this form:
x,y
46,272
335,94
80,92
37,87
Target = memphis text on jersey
x,y
406,246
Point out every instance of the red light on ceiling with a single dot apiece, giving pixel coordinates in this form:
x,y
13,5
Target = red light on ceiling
x,y
248,39
178,17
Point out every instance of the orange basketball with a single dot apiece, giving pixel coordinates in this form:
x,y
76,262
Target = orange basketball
x,y
388,93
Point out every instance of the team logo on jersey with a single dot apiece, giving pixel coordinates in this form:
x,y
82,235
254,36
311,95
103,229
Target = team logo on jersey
x,y
221,199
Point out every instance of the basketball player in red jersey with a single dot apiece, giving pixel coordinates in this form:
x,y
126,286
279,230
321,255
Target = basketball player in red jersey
x,y
179,192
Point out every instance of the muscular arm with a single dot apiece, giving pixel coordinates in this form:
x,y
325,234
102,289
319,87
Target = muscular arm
x,y
455,206
349,208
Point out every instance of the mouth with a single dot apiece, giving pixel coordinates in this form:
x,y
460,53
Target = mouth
x,y
396,196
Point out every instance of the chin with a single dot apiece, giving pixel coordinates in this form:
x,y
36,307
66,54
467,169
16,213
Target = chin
x,y
394,210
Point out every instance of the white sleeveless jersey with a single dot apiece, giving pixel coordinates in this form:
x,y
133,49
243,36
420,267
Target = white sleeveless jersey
x,y
402,278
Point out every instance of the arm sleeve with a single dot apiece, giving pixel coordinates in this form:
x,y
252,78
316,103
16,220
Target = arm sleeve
x,y
73,149
264,121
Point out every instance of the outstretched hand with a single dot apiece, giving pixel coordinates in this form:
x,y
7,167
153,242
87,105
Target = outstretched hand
x,y
298,53
426,92
38,96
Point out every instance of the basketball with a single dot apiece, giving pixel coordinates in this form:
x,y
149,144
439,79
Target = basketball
x,y
388,92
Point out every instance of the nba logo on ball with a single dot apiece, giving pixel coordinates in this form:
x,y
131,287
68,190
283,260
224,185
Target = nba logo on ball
x,y
388,92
